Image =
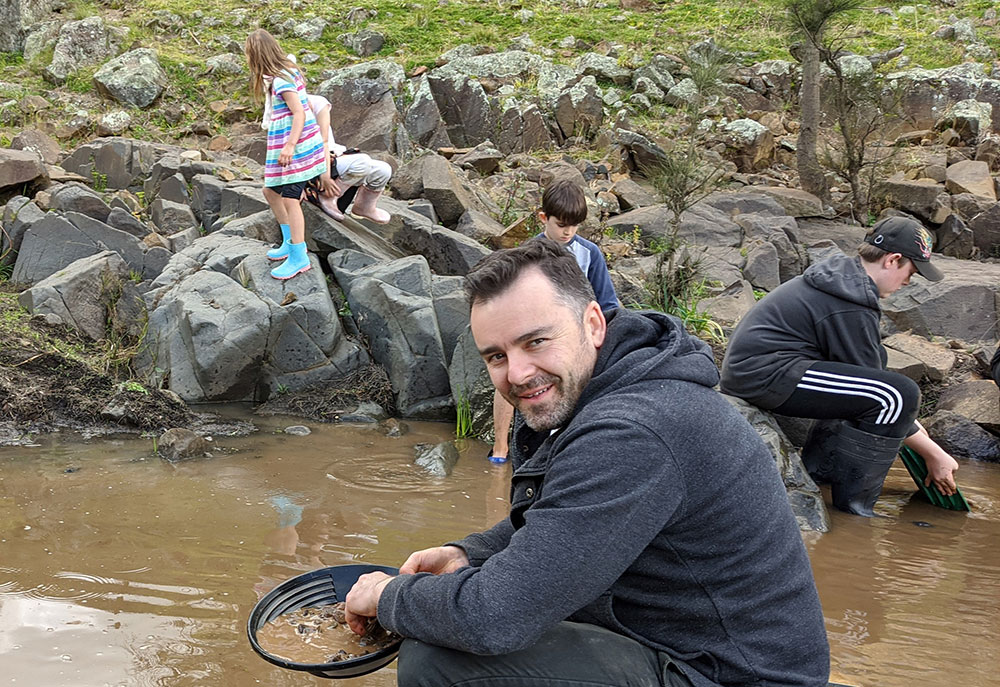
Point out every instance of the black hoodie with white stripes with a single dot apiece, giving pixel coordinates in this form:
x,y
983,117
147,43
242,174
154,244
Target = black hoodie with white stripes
x,y
830,312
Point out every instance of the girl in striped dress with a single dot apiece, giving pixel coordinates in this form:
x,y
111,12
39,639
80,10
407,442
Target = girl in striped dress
x,y
295,152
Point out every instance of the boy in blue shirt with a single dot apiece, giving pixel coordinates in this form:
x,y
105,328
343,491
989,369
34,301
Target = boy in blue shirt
x,y
564,207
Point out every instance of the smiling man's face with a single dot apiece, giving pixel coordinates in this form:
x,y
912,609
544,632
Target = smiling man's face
x,y
539,352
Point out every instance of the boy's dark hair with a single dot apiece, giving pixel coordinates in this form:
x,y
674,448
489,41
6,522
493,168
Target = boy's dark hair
x,y
495,273
564,201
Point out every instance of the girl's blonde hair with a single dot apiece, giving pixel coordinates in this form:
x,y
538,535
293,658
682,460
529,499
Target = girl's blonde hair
x,y
266,59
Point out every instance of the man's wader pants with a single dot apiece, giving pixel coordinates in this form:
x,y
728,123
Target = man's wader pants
x,y
569,655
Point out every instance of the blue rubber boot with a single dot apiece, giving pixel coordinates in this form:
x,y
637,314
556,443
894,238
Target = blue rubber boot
x,y
281,252
298,261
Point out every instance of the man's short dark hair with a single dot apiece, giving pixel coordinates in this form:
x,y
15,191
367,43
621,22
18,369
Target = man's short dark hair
x,y
495,273
564,201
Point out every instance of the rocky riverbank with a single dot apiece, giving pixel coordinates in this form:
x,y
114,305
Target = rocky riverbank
x,y
149,257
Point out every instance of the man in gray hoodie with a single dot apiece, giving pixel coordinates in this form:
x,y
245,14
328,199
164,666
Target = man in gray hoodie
x,y
650,540
812,348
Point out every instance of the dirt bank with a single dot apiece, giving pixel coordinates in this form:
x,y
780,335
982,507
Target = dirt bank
x,y
52,379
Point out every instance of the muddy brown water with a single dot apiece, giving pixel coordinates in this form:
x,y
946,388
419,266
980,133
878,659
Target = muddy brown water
x,y
117,568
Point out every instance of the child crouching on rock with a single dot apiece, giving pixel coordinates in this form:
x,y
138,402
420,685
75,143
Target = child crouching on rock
x,y
347,168
295,152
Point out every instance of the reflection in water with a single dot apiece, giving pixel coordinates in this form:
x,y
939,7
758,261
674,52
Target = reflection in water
x,y
133,571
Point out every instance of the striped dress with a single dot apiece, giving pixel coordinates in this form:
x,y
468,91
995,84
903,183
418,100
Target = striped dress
x,y
310,157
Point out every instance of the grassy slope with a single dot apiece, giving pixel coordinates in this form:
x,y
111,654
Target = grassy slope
x,y
417,32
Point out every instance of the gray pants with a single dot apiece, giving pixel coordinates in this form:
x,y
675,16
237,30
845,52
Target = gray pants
x,y
360,168
569,655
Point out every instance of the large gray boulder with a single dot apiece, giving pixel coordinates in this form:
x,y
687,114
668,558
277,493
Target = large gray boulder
x,y
447,252
936,360
986,231
38,142
19,167
962,438
120,218
779,232
579,109
471,386
82,43
307,345
170,217
639,153
954,238
962,306
134,78
80,294
19,214
206,198
447,190
804,496
118,162
761,268
76,197
926,93
392,304
242,200
975,400
328,235
749,144
847,237
16,16
220,251
423,119
40,37
54,242
522,128
794,201
220,328
366,115
464,107
926,199
386,71
208,337
702,224
452,310
970,176
602,67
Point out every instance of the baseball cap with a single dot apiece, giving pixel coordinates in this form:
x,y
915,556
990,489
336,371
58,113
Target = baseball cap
x,y
908,238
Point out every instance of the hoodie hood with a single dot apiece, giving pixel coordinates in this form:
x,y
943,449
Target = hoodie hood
x,y
845,278
648,345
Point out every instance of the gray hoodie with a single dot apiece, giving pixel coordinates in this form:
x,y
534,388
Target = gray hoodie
x,y
830,312
656,512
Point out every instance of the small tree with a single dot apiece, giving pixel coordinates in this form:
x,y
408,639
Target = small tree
x,y
864,108
683,176
811,19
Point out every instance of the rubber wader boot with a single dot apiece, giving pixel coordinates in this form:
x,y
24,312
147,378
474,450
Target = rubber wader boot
x,y
281,252
861,462
365,205
817,453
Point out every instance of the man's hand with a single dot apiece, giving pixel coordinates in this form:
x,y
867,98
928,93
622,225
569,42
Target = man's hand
x,y
362,601
438,561
941,469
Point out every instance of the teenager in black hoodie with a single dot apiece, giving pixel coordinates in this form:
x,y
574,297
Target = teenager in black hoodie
x,y
650,541
812,349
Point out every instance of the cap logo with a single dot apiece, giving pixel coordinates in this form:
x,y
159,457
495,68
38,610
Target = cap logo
x,y
879,239
924,243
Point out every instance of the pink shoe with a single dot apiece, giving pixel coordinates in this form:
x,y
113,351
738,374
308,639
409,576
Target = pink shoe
x,y
327,205
365,206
